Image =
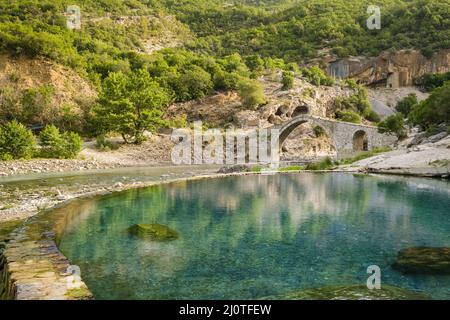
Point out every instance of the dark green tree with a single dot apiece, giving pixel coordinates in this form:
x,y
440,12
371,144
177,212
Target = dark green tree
x,y
394,124
131,104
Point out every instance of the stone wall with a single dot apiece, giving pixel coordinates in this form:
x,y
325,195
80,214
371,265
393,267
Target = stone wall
x,y
32,267
7,291
341,133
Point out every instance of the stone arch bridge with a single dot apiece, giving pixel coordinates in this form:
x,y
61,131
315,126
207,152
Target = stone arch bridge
x,y
348,138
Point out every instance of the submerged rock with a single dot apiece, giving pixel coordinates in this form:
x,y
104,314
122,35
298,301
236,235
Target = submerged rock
x,y
423,260
354,292
153,231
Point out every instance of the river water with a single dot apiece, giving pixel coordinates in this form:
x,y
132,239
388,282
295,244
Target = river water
x,y
259,236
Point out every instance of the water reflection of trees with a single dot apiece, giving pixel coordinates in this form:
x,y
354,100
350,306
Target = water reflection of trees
x,y
236,223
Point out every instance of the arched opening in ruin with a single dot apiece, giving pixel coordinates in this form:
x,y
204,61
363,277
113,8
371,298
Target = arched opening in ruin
x,y
300,110
280,111
306,140
360,141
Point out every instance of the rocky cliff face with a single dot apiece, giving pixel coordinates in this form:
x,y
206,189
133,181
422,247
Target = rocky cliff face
x,y
390,69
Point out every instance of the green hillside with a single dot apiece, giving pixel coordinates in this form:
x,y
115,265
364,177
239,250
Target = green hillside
x,y
187,49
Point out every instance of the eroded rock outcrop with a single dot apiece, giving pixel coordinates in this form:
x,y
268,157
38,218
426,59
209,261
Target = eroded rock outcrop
x,y
390,69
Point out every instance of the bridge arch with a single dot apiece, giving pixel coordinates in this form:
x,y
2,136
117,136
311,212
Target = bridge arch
x,y
360,141
346,138
287,128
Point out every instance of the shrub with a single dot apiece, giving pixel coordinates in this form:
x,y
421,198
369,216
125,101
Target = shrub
x,y
194,83
251,93
254,63
57,145
16,142
50,136
288,80
431,81
365,155
316,76
372,116
292,66
104,145
405,105
308,93
226,80
291,168
325,164
72,145
394,124
348,116
357,102
434,110
319,131
179,122
350,83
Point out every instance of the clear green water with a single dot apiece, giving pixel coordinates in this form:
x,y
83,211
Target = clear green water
x,y
257,236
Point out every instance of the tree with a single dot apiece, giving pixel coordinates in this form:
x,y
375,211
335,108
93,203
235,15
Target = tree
x,y
434,110
131,104
393,124
405,105
59,145
194,83
16,141
288,80
251,93
254,63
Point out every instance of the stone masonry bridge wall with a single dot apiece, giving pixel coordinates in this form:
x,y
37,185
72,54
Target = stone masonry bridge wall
x,y
341,133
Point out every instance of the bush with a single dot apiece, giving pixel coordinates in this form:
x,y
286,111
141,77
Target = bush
x,y
16,142
319,131
434,110
254,63
104,145
57,145
193,84
251,93
224,80
325,164
372,116
405,105
394,124
288,80
291,168
358,102
348,116
316,76
350,83
365,155
431,81
72,145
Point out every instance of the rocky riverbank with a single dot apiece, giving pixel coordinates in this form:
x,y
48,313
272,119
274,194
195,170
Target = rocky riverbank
x,y
417,156
22,197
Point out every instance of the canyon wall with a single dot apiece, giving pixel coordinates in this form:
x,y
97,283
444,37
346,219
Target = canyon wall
x,y
390,69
